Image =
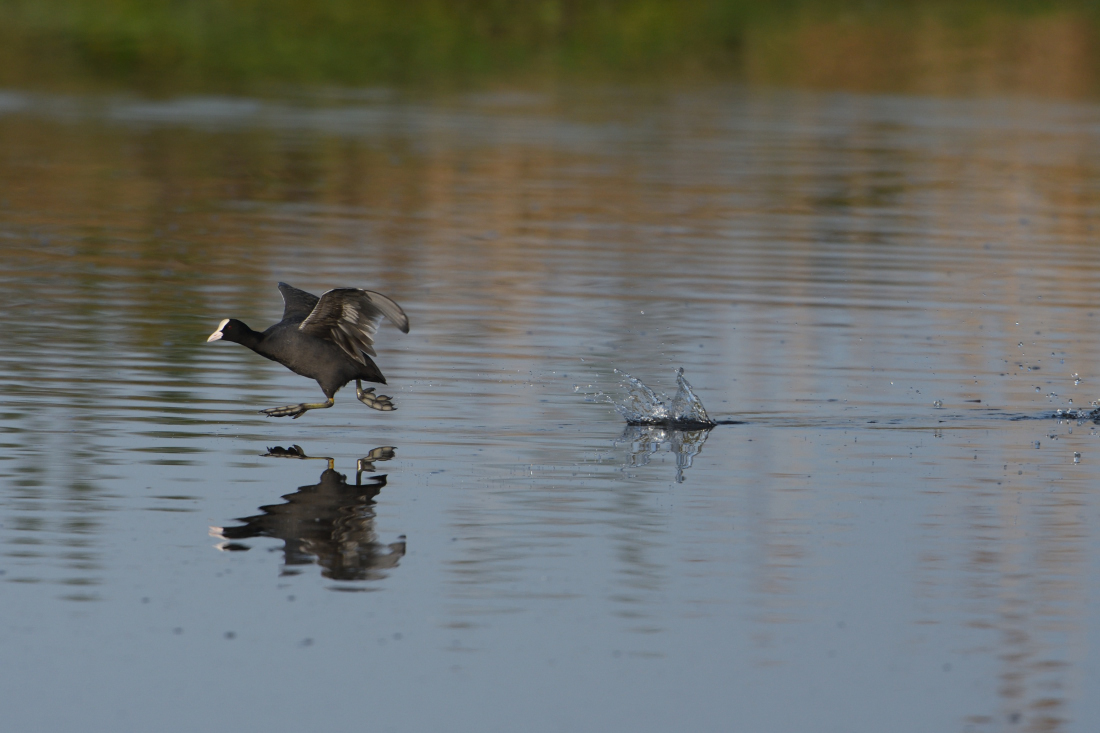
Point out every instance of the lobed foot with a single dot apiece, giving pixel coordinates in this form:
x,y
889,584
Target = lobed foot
x,y
371,400
366,463
296,411
294,451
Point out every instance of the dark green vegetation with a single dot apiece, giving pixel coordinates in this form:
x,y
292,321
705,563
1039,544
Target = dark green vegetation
x,y
234,44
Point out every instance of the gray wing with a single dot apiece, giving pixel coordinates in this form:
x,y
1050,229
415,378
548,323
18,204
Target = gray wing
x,y
296,303
350,317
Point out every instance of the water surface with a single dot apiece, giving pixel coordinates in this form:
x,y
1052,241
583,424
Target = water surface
x,y
892,294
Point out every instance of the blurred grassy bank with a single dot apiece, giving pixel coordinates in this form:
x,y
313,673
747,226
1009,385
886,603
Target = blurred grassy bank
x,y
225,45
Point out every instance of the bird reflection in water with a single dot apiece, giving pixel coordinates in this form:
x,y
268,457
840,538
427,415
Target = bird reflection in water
x,y
646,440
330,523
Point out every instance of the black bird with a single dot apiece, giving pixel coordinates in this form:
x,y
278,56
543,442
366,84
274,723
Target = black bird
x,y
330,339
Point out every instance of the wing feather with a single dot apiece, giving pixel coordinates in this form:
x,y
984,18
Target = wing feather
x,y
350,318
296,303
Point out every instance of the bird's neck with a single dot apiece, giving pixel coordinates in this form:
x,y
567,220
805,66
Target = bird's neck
x,y
248,337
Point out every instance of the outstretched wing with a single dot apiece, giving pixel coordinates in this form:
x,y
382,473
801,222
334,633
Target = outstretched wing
x,y
296,303
350,317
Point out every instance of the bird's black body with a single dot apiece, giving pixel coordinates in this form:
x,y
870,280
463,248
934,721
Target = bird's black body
x,y
329,339
306,354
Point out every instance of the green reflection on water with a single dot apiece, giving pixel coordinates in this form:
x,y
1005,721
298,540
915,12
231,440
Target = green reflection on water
x,y
1045,47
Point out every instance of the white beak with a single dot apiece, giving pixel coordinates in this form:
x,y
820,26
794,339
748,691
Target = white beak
x,y
217,334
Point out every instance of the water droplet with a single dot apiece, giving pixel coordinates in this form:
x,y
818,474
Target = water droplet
x,y
937,403
1020,344
1036,389
1076,457
1036,445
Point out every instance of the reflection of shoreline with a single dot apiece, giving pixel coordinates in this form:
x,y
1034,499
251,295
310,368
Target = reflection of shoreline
x,y
330,523
646,440
927,48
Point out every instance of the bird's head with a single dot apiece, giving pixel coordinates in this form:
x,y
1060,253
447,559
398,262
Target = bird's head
x,y
230,329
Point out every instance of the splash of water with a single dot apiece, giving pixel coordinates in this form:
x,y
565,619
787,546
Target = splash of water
x,y
641,406
1081,415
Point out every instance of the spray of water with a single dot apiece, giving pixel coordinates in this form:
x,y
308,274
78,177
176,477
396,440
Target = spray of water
x,y
1081,415
642,406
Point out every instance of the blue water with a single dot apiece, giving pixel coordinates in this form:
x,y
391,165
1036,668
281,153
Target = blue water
x,y
892,295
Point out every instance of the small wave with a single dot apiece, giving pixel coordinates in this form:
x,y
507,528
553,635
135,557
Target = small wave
x,y
642,406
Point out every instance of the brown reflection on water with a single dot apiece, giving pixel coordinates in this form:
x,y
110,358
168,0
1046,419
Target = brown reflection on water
x,y
1050,56
1009,554
1026,569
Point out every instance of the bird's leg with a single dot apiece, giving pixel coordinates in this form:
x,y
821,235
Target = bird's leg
x,y
368,398
296,411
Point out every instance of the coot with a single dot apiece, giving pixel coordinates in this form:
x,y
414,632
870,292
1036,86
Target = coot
x,y
330,339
